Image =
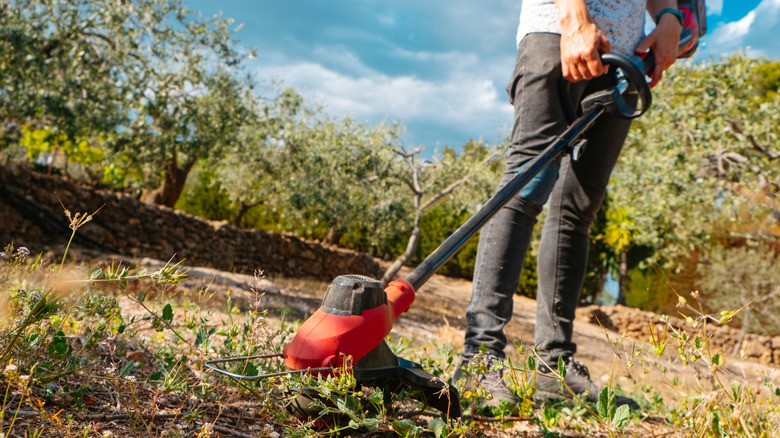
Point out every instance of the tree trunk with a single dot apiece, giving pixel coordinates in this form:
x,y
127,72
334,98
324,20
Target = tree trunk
x,y
622,280
602,280
411,247
172,186
334,236
242,210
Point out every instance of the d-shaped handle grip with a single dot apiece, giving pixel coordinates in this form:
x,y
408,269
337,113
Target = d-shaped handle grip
x,y
632,72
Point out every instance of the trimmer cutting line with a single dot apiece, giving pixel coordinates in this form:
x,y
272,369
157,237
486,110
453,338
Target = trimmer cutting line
x,y
357,314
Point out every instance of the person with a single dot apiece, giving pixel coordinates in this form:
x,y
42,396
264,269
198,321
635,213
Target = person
x,y
558,63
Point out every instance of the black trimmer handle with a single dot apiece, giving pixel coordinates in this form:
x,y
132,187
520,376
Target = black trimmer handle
x,y
631,70
694,27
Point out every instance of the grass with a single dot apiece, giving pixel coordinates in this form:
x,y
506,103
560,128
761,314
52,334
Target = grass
x,y
107,349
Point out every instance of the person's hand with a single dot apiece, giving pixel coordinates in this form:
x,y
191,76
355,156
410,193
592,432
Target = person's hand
x,y
663,41
582,44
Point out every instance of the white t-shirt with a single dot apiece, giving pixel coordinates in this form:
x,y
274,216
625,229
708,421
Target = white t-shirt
x,y
623,21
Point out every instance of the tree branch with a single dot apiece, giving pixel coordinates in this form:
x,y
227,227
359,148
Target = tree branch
x,y
738,133
95,48
446,191
99,35
408,158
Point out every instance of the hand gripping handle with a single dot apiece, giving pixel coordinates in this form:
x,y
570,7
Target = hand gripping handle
x,y
631,71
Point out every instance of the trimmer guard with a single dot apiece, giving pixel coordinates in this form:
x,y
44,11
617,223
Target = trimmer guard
x,y
383,369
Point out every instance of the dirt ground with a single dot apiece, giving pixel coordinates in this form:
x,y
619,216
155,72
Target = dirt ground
x,y
437,317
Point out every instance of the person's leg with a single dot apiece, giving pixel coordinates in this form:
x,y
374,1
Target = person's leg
x,y
544,104
563,254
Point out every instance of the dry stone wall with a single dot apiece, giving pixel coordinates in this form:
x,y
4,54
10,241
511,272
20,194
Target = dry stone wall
x,y
31,214
637,323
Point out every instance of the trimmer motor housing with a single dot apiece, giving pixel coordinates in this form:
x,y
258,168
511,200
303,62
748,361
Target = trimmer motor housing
x,y
695,21
355,317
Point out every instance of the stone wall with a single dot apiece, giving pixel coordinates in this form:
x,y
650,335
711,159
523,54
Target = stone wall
x,y
31,215
637,323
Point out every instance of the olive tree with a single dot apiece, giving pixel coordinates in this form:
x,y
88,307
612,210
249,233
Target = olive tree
x,y
426,182
319,174
700,172
59,71
157,86
253,170
703,163
335,172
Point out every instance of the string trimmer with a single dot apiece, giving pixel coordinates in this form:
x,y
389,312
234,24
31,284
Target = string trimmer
x,y
347,333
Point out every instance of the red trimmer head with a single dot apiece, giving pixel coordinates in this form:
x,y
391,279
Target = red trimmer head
x,y
355,316
351,324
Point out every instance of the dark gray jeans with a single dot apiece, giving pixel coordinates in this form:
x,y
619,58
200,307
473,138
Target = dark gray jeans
x,y
545,104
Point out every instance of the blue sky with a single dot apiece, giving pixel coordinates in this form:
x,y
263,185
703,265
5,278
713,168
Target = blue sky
x,y
439,67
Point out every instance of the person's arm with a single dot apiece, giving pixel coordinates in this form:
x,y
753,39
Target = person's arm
x,y
663,40
582,42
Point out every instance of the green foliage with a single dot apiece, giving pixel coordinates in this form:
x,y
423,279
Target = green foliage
x,y
699,171
59,66
767,79
205,196
43,141
150,84
254,168
620,231
609,411
437,224
696,165
312,172
333,173
732,276
36,316
343,405
649,290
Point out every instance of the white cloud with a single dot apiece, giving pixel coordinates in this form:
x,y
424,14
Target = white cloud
x,y
463,100
734,31
347,61
714,7
452,58
388,20
757,30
